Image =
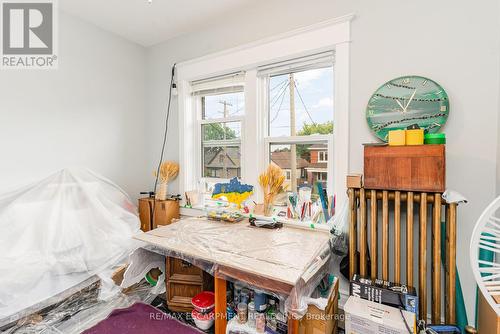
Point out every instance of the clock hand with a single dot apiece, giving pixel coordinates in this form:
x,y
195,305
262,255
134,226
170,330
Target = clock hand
x,y
402,108
409,101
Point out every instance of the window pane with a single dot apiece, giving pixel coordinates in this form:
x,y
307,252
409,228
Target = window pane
x,y
221,131
308,168
304,98
222,162
223,105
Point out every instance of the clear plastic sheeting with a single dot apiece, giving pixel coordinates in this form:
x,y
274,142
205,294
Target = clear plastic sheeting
x,y
287,262
78,308
59,232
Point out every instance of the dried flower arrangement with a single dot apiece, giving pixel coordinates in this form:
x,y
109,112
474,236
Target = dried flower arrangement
x,y
271,182
168,172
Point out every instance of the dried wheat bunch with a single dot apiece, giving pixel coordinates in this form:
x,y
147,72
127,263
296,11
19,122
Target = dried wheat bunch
x,y
168,171
272,180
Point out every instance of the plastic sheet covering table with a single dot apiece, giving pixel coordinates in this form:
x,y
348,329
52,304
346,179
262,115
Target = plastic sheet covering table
x,y
288,262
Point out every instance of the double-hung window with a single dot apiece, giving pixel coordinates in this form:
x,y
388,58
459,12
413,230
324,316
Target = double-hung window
x,y
299,114
282,100
220,108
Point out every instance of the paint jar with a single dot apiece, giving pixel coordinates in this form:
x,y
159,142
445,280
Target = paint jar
x,y
434,138
251,314
260,299
236,293
242,313
260,322
245,296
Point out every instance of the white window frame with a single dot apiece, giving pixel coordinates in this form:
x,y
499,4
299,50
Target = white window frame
x,y
321,156
328,35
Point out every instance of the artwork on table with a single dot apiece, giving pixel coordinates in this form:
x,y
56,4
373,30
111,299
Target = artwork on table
x,y
235,191
406,101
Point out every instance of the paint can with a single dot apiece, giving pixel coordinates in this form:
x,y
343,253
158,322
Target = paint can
x,y
260,299
237,293
245,296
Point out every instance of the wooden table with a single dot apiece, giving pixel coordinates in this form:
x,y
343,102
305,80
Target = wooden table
x,y
273,260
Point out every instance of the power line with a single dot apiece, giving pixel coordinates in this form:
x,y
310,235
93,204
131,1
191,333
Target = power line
x,y
281,83
279,108
305,108
277,97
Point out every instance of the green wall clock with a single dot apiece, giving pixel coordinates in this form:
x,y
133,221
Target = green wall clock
x,y
405,101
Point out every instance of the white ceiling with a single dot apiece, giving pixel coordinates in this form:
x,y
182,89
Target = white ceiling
x,y
149,24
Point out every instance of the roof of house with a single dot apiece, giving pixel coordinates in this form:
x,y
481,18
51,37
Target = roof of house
x,y
231,154
317,165
318,147
282,159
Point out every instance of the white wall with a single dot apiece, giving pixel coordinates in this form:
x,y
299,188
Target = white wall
x,y
454,43
89,112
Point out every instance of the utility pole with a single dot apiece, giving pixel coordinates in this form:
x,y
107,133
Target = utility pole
x,y
226,114
226,110
293,148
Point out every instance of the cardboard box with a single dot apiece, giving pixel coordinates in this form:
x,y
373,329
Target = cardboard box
x,y
388,293
153,214
354,181
366,317
488,320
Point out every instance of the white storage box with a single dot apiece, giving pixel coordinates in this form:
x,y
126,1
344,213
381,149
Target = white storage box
x,y
366,317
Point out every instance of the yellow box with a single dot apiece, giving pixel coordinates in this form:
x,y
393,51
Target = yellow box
x,y
415,137
397,138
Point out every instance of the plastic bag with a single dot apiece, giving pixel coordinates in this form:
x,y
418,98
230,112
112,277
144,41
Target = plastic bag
x,y
340,231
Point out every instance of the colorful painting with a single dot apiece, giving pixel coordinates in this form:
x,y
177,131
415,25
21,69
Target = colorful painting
x,y
234,191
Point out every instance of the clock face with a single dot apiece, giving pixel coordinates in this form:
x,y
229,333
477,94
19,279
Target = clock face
x,y
405,101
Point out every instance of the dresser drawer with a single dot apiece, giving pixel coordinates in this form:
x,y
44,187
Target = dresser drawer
x,y
180,270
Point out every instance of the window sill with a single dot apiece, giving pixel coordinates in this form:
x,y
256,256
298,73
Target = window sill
x,y
199,211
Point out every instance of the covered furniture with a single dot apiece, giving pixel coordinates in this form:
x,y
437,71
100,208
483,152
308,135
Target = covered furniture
x,y
287,261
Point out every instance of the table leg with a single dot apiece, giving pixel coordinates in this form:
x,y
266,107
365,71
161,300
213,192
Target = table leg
x,y
293,326
220,306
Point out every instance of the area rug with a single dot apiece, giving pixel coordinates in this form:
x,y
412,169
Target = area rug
x,y
140,318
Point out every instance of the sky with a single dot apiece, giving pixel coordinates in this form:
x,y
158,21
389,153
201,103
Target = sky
x,y
316,89
314,86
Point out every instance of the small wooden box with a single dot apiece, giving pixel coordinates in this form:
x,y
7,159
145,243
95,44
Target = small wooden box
x,y
410,168
354,181
317,321
164,212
